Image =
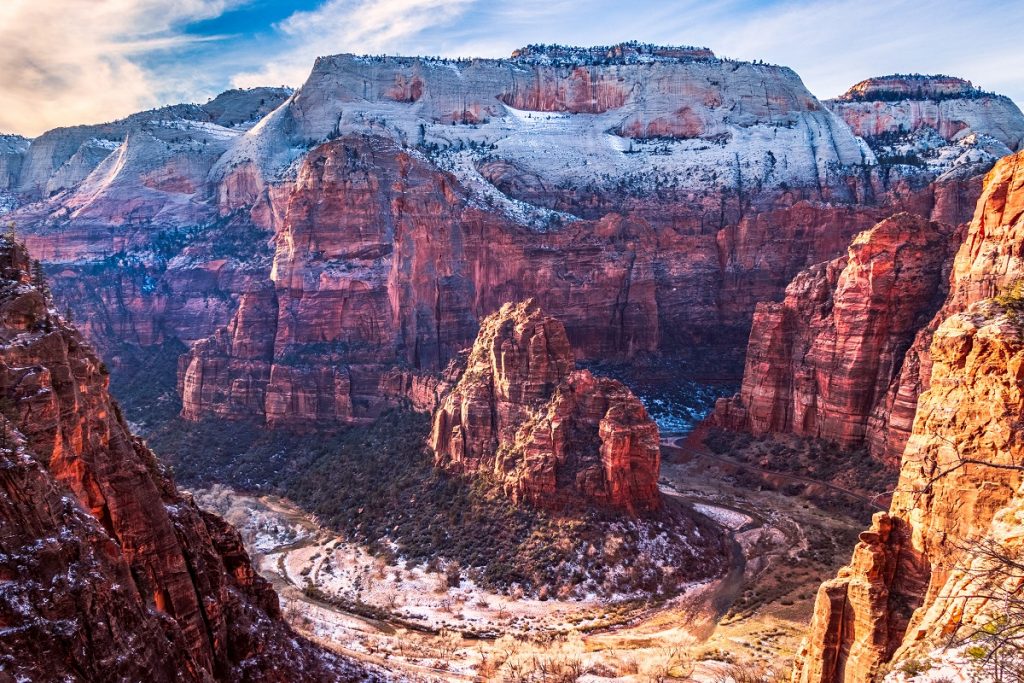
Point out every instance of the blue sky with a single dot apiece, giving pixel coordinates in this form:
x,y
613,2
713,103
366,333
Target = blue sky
x,y
84,61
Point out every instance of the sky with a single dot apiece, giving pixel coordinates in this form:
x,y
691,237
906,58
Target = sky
x,y
64,62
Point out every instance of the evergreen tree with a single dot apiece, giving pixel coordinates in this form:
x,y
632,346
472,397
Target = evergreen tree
x,y
39,278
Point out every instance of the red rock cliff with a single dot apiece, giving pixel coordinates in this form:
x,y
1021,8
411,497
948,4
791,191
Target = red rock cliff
x,y
377,215
820,361
107,571
960,477
548,434
383,259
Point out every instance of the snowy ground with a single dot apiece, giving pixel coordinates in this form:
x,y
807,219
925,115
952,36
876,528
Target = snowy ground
x,y
941,666
8,202
413,620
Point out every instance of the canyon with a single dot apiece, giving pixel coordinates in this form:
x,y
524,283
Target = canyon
x,y
822,363
908,346
657,235
465,252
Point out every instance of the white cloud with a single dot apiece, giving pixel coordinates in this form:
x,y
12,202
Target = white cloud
x,y
834,43
72,61
77,61
830,43
358,26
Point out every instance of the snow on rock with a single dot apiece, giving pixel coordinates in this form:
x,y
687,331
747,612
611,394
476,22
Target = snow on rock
x,y
725,120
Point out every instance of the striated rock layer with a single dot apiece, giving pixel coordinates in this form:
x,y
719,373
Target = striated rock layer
x,y
61,158
127,231
547,433
911,580
952,107
107,572
381,259
447,188
649,196
820,362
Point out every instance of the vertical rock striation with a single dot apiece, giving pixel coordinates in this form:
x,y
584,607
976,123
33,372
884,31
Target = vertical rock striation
x,y
820,361
548,434
649,196
910,583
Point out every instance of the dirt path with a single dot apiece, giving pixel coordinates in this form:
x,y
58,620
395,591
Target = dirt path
x,y
691,622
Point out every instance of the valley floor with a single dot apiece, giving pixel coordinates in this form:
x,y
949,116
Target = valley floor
x,y
428,623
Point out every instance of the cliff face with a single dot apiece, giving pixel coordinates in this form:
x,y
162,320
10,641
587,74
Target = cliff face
x,y
951,106
649,196
987,264
126,229
936,122
960,480
819,362
101,555
63,157
381,257
692,98
548,434
12,153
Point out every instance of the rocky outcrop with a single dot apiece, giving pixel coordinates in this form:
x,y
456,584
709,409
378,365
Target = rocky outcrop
x,y
898,87
241,107
991,260
951,106
107,571
819,362
12,153
899,594
938,123
988,263
544,432
909,586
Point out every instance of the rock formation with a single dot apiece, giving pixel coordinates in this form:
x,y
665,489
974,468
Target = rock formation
x,y
402,262
961,475
61,158
130,238
821,361
649,196
936,122
951,106
107,571
546,433
12,153
771,399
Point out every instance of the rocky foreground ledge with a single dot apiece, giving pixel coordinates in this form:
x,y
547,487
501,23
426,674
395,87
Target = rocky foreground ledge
x,y
107,571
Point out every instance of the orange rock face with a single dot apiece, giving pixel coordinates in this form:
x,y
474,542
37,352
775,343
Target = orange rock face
x,y
957,481
821,360
100,554
550,435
